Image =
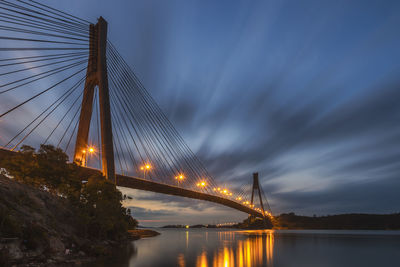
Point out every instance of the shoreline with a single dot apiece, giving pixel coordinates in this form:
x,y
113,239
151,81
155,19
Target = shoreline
x,y
137,234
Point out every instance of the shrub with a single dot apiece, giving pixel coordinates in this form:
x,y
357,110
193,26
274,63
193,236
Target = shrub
x,y
101,211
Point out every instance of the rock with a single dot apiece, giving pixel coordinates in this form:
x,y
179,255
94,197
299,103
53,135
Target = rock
x,y
142,233
14,251
56,245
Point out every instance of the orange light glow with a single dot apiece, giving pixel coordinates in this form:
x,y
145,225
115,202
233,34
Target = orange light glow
x,y
180,177
202,184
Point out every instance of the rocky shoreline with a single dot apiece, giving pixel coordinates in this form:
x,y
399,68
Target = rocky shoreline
x,y
44,231
17,257
142,233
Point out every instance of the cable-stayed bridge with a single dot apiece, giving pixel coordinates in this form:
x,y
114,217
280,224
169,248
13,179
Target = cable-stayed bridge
x,y
64,83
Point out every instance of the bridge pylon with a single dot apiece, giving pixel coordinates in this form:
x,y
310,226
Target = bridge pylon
x,y
256,187
96,75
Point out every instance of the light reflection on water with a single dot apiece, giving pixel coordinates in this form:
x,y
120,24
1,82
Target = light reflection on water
x,y
219,248
256,250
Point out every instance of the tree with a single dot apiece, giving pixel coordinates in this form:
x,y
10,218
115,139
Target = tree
x,y
101,209
47,168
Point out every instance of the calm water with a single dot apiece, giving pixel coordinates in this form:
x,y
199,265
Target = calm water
x,y
214,248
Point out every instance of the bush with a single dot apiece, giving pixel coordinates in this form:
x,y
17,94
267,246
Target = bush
x,y
48,168
101,211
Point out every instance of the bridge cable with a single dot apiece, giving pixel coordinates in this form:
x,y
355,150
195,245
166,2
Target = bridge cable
x,y
63,117
124,96
141,123
123,133
69,125
64,96
15,20
72,17
111,44
43,59
44,91
39,66
48,73
43,25
40,15
72,134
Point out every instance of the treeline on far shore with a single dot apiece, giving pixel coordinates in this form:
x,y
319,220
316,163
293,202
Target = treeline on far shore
x,y
353,221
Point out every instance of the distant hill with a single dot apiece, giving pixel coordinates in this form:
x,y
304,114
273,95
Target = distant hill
x,y
352,221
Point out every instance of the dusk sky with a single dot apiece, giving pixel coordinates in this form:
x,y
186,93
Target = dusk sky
x,y
304,92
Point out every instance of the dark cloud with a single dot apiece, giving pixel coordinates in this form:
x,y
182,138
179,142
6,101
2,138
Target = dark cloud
x,y
140,213
376,196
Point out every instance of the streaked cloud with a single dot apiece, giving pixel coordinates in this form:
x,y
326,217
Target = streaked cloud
x,y
304,92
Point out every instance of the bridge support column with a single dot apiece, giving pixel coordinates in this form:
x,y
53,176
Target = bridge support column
x,y
96,75
256,186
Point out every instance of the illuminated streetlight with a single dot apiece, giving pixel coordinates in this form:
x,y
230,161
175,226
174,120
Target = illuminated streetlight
x,y
89,149
145,168
179,178
202,184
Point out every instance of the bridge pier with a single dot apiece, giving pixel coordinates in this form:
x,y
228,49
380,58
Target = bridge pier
x,y
96,75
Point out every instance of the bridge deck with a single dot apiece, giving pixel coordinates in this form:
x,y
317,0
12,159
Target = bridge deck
x,y
146,185
141,184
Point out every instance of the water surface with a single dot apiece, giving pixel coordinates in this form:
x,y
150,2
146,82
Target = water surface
x,y
227,248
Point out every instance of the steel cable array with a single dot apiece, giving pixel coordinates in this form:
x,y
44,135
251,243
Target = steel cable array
x,y
43,59
143,135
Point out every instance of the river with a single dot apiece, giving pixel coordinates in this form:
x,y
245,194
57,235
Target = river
x,y
277,248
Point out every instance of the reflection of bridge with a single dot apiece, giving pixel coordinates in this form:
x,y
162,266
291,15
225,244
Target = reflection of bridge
x,y
41,69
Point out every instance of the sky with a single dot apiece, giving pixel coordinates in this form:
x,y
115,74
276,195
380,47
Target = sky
x,y
304,92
